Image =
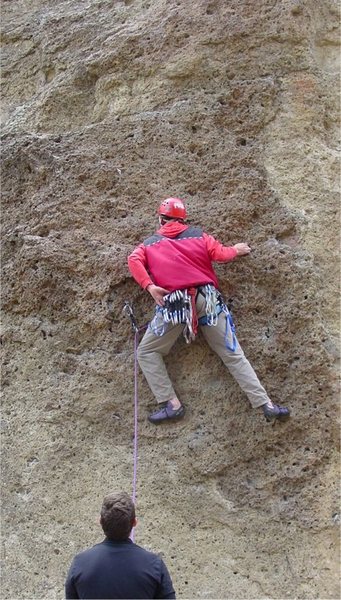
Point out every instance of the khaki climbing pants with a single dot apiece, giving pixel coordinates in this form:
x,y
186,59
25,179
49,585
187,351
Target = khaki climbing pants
x,y
153,348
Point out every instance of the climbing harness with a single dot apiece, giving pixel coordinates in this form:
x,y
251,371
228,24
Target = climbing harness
x,y
179,308
128,311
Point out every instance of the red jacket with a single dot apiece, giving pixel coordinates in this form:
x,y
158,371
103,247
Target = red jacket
x,y
178,256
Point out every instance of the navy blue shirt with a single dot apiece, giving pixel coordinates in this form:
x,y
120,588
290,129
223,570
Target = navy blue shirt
x,y
120,570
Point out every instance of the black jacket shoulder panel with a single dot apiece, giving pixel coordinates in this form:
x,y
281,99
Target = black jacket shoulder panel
x,y
153,239
191,232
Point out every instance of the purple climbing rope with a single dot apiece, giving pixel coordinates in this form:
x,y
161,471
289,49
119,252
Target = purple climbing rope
x,y
135,460
129,312
135,416
135,425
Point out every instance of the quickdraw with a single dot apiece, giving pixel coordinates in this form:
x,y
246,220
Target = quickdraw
x,y
128,311
213,300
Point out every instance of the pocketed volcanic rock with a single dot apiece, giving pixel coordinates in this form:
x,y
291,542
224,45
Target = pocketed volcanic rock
x,y
109,107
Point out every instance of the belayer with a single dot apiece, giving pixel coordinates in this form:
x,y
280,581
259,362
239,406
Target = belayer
x,y
175,266
117,567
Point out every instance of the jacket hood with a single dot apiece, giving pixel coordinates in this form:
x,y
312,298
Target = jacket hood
x,y
172,229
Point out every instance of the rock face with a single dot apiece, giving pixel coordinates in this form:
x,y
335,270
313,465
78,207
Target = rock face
x,y
109,107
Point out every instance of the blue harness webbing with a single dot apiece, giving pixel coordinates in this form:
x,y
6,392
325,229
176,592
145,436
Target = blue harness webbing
x,y
230,326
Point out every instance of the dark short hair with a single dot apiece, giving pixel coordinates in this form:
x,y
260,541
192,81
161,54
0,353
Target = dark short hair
x,y
117,516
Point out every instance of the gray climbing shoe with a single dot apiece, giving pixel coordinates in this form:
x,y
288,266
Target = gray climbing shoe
x,y
273,411
167,413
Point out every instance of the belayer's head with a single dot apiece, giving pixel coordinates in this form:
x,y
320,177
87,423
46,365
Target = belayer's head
x,y
172,209
117,516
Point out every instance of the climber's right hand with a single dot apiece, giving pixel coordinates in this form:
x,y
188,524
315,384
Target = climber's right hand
x,y
157,293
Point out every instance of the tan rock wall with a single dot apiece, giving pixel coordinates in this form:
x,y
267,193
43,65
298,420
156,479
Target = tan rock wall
x,y
108,107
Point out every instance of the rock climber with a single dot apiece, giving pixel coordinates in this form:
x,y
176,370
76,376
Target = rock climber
x,y
175,266
118,568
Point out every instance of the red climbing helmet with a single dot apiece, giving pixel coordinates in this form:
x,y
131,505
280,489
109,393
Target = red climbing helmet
x,y
173,207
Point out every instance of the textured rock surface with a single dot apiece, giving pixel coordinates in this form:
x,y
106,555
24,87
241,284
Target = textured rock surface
x,y
109,106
